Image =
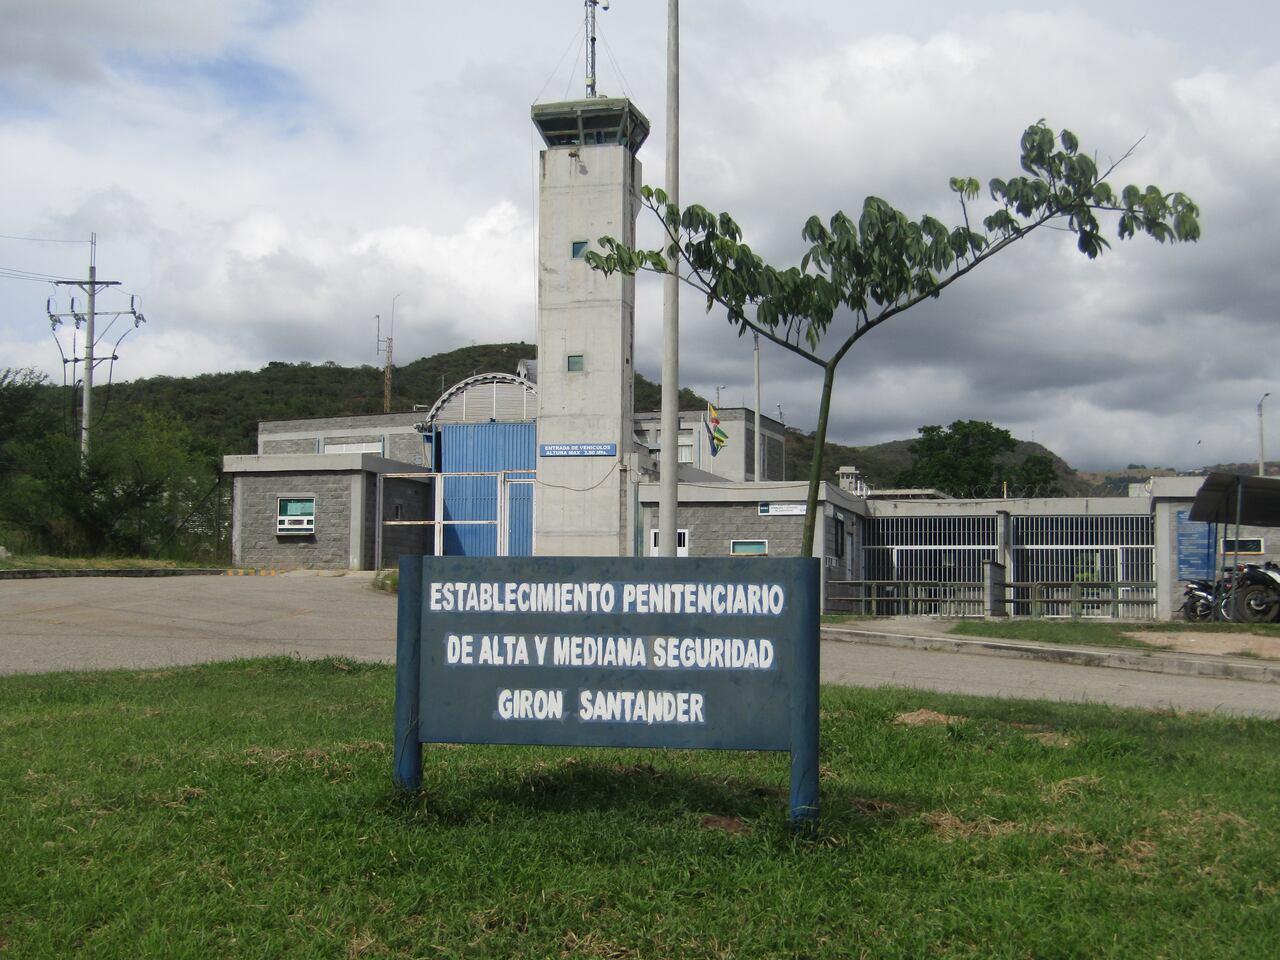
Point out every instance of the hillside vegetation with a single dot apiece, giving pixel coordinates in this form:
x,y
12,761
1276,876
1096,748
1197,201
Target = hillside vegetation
x,y
151,485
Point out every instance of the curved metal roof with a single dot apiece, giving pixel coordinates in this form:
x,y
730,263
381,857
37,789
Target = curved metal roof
x,y
495,380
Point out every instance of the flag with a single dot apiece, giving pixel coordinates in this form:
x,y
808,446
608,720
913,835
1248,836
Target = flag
x,y
716,437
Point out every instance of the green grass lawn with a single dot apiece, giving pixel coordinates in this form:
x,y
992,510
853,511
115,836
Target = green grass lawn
x,y
1098,634
246,810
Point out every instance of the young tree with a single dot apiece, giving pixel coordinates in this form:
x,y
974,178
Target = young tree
x,y
857,275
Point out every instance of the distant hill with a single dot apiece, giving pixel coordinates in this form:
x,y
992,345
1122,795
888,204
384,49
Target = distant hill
x,y
224,408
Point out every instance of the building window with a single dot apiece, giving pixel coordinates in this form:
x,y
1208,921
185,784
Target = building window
x,y
684,451
295,515
1246,545
748,548
575,363
579,249
838,534
359,446
682,542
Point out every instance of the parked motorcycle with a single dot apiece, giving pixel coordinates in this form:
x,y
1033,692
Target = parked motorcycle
x,y
1255,593
1198,600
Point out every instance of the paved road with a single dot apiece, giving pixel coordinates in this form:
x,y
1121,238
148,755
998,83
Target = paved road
x,y
97,623
868,665
67,624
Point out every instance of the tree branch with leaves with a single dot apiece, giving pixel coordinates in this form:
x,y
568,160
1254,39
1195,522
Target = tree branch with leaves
x,y
855,276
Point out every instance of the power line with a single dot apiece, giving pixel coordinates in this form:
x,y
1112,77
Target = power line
x,y
17,273
9,236
556,69
626,87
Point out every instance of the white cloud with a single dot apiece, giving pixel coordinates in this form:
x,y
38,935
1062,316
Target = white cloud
x,y
269,175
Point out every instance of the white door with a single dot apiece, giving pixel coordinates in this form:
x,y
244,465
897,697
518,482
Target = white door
x,y
682,542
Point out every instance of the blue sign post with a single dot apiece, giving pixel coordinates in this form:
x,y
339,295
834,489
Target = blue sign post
x,y
610,652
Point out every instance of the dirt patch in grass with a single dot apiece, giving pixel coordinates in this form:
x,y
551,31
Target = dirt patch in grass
x,y
594,947
1051,739
1198,825
1071,788
1213,644
878,808
950,828
926,718
725,824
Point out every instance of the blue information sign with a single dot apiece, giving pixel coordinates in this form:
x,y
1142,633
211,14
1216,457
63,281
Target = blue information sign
x,y
1197,548
620,652
577,449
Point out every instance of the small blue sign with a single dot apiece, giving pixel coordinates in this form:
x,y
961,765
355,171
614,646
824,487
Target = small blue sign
x,y
1197,548
612,652
577,449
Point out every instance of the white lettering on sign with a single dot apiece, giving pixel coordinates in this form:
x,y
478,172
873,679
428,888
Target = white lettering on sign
x,y
640,706
577,449
712,653
733,599
504,651
721,599
459,649
599,652
665,653
531,704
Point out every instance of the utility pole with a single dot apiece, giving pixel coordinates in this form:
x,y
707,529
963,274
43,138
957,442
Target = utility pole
x,y
759,437
1262,467
668,488
91,287
386,369
782,420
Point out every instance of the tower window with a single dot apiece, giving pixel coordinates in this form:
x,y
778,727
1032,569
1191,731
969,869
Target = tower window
x,y
575,363
579,249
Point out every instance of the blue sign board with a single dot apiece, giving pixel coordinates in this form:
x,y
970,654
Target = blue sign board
x,y
577,449
613,652
1197,548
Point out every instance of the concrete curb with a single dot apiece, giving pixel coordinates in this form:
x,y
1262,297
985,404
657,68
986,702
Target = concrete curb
x,y
1151,661
140,572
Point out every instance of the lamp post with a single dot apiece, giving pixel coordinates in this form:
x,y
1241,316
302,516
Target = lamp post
x,y
1262,460
782,420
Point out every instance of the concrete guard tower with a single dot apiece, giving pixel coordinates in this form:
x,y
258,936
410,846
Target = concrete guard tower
x,y
588,188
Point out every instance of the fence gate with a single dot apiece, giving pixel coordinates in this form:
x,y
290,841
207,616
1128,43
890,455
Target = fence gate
x,y
480,514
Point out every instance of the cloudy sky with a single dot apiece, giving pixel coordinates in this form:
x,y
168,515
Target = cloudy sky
x,y
266,175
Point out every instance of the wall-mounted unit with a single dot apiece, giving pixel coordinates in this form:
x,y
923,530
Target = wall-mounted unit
x,y
295,515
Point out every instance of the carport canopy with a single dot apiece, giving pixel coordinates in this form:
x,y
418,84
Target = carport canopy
x,y
1236,498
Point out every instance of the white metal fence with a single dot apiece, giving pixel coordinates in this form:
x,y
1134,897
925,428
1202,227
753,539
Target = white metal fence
x,y
1061,566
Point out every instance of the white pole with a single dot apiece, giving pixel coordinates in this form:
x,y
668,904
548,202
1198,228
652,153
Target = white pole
x,y
759,435
1262,468
86,406
668,490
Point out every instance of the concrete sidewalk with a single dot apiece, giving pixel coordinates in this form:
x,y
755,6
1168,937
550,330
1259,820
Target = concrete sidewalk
x,y
925,633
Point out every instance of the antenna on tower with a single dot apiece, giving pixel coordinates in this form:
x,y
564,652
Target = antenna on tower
x,y
591,44
384,347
